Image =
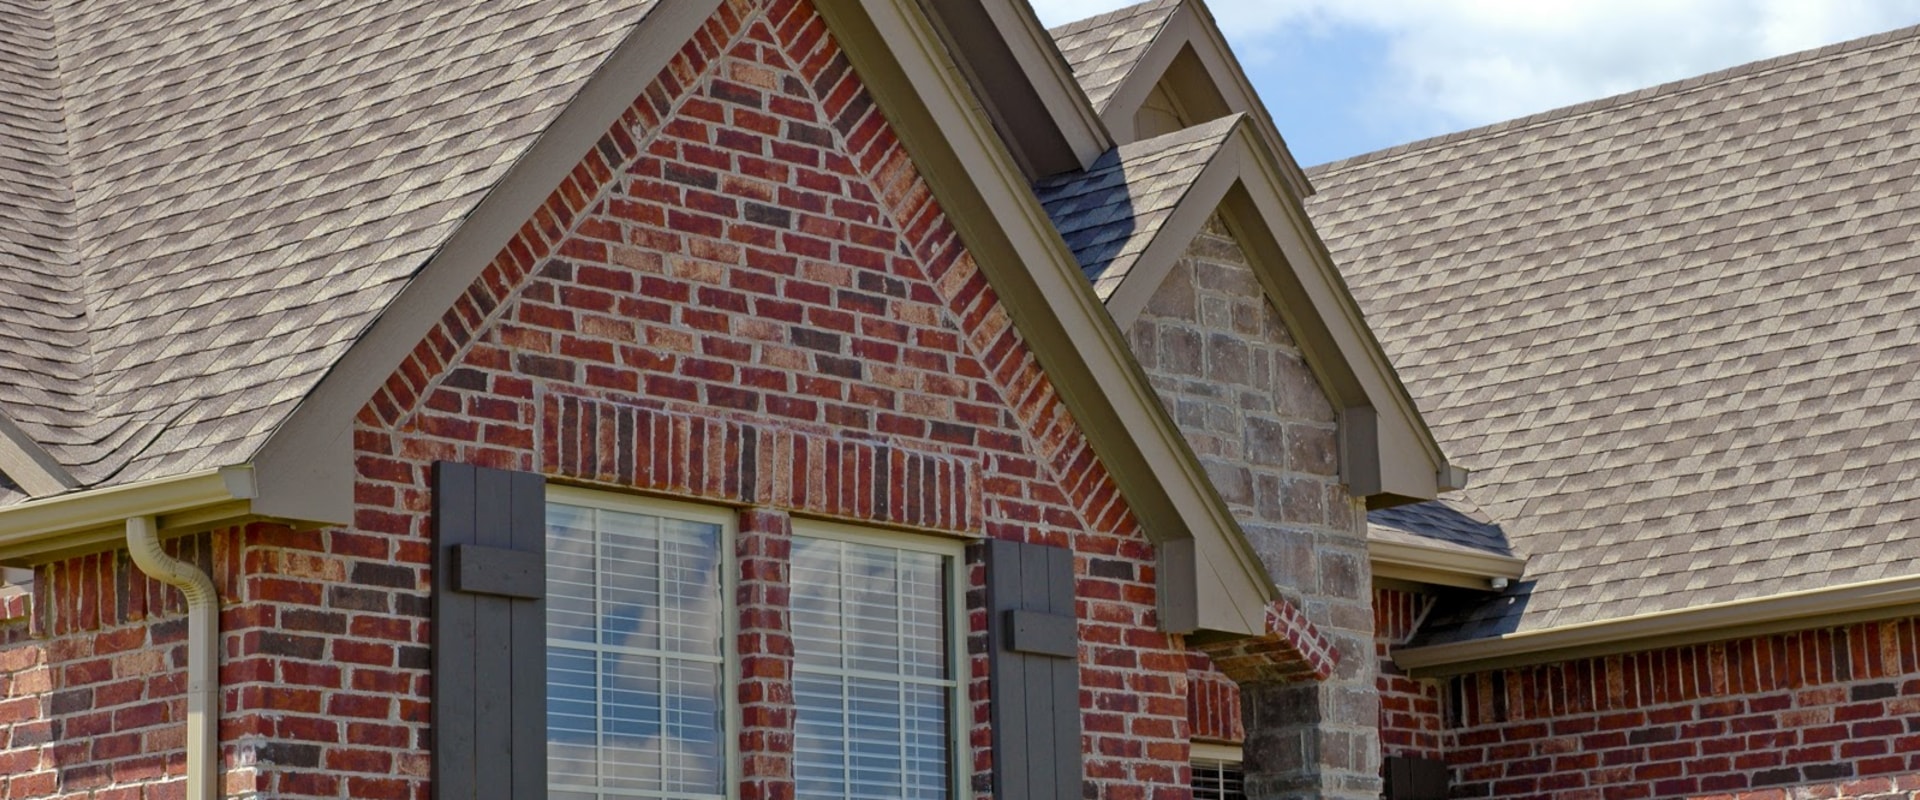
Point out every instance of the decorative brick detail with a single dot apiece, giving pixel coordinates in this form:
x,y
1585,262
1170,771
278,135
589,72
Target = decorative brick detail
x,y
1292,651
1815,713
1410,722
628,444
1213,702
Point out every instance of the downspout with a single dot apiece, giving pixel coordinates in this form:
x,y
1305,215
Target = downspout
x,y
203,655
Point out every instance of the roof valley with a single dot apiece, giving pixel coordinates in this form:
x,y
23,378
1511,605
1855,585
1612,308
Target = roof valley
x,y
44,322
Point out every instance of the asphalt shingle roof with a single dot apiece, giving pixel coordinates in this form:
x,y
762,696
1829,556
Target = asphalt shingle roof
x,y
1103,49
1672,333
1111,212
208,201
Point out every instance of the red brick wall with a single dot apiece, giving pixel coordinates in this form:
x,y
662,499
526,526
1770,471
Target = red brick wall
x,y
1832,712
1410,722
746,295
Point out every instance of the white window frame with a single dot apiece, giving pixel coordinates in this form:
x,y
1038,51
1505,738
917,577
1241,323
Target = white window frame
x,y
952,550
1224,754
728,521
959,753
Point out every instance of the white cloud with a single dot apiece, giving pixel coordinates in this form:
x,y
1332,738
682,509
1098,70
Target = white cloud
x,y
1469,62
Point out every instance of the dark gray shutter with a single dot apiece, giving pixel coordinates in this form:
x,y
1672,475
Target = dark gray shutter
x,y
1415,778
1033,647
489,634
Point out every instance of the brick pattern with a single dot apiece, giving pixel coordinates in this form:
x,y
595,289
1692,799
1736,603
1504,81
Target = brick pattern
x,y
764,548
1233,378
1818,713
1213,702
1410,717
750,249
621,442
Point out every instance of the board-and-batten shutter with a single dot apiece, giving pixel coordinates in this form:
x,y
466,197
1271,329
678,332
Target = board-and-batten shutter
x,y
1033,648
489,634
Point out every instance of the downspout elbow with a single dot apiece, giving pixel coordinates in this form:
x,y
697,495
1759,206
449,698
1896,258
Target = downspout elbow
x,y
203,655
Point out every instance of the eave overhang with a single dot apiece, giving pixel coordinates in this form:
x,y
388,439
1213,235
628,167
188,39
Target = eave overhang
x,y
1441,564
1825,607
61,526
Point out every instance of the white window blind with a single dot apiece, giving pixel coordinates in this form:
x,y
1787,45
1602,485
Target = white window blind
x,y
636,658
1217,780
873,677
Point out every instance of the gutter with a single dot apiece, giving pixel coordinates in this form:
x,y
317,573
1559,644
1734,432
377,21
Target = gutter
x,y
203,654
71,524
1833,605
1442,565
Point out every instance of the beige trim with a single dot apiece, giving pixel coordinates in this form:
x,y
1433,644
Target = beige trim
x,y
1832,605
1056,119
28,464
306,467
42,530
1227,753
1192,29
1039,282
1441,565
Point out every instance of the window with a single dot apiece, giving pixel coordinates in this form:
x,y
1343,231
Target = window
x,y
639,686
1216,773
641,668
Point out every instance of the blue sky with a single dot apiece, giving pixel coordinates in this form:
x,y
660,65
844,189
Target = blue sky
x,y
1345,77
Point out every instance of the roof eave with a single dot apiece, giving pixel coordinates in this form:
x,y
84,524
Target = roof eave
x,y
70,524
1827,606
1442,565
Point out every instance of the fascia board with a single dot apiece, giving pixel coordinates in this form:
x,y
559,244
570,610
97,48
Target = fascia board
x,y
28,464
1050,301
1125,101
1210,45
1441,566
1833,605
1170,244
305,469
39,529
1040,59
1404,433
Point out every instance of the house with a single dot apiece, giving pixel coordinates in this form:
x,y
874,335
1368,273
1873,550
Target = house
x,y
773,398
697,399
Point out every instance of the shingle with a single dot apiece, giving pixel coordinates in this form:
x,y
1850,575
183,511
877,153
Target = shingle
x,y
1110,212
1103,50
180,179
1670,332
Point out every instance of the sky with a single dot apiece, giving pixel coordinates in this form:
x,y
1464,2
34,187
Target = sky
x,y
1345,77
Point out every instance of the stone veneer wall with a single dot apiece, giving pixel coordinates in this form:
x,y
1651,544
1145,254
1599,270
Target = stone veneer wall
x,y
1233,379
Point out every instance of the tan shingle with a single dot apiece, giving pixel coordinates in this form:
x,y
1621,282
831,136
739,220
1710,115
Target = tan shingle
x,y
1671,332
1102,50
245,186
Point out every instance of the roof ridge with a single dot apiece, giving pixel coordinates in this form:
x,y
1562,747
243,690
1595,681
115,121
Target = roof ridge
x,y
1108,18
1626,99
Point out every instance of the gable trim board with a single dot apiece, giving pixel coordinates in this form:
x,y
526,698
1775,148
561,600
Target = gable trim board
x,y
1192,29
28,464
989,202
1050,128
1830,606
